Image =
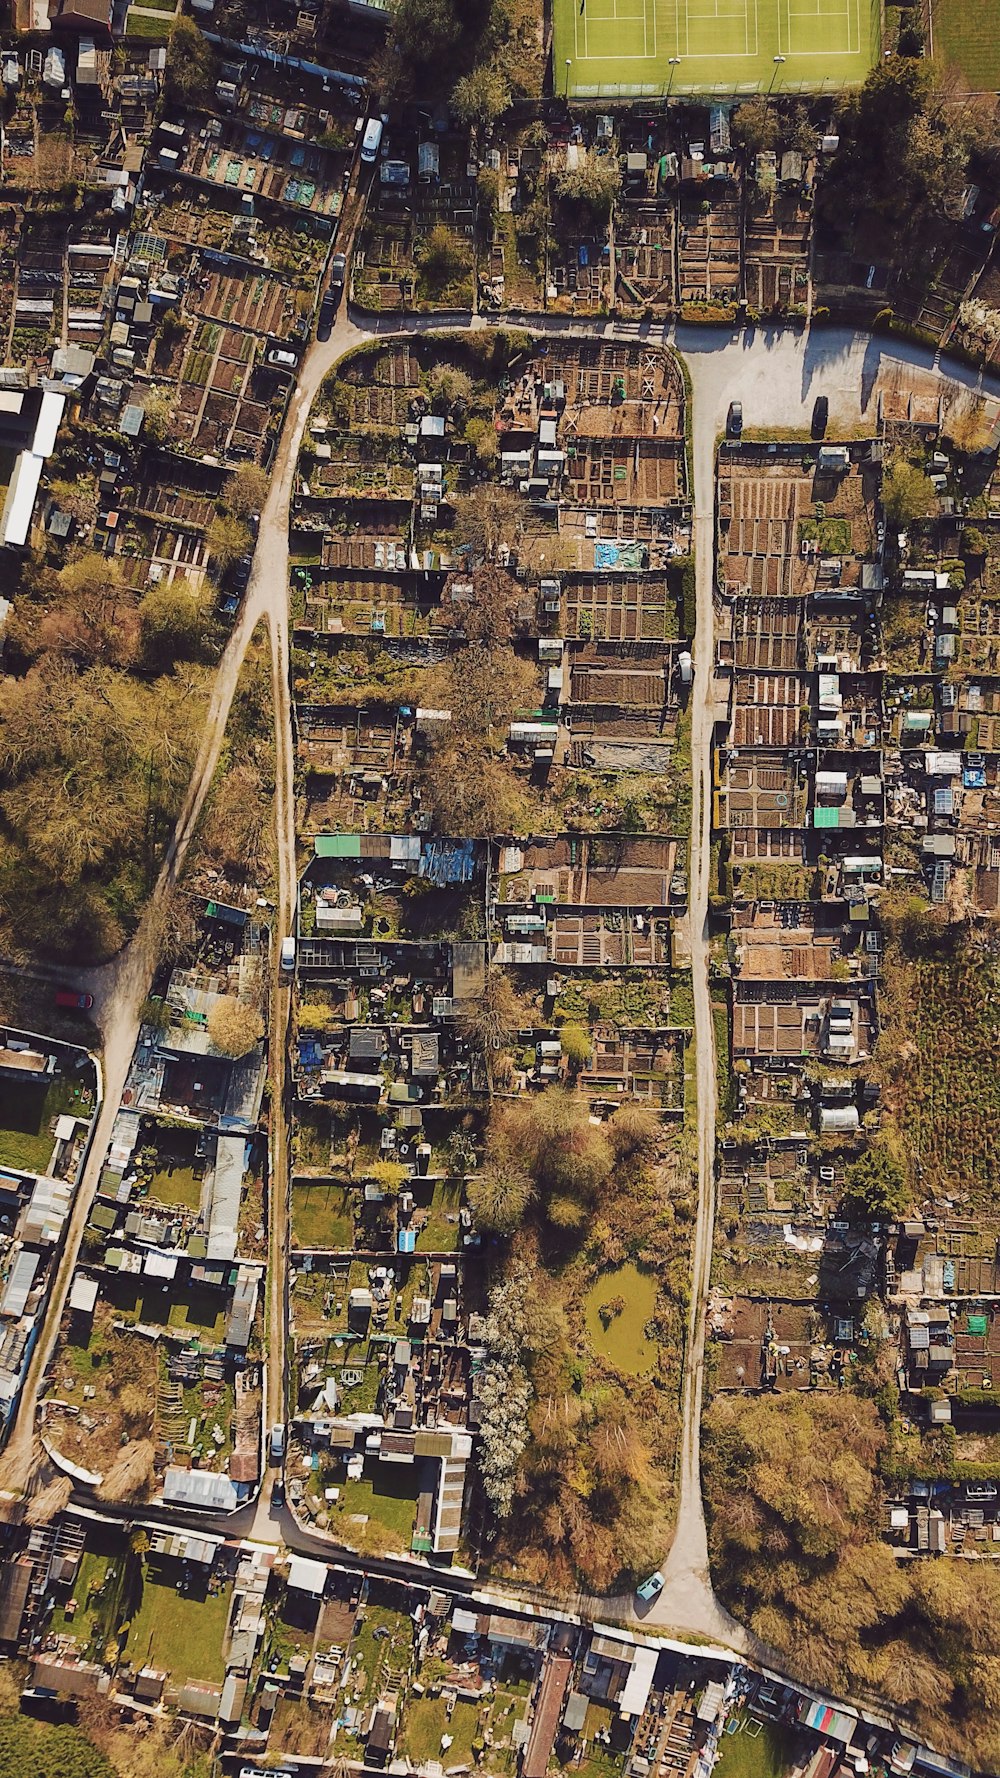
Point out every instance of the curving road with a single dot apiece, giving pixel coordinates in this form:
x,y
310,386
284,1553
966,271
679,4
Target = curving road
x,y
776,374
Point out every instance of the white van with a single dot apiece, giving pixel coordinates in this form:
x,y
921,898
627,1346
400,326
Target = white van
x,y
372,138
287,956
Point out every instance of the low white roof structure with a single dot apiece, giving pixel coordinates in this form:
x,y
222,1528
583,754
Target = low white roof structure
x,y
227,1185
83,1295
639,1683
19,1284
307,1577
22,490
199,1487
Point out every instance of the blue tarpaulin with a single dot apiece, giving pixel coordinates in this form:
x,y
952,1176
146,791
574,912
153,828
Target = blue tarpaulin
x,y
448,861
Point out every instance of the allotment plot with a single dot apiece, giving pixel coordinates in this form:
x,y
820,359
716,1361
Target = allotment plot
x,y
612,48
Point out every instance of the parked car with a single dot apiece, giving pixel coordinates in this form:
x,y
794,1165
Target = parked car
x,y
288,956
70,997
821,414
338,274
285,360
734,420
276,1449
371,141
650,1588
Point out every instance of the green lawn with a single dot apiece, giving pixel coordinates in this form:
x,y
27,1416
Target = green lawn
x,y
138,25
322,1216
375,1656
100,1591
386,1494
439,1235
177,1185
625,48
750,1755
966,33
181,1633
199,1312
427,1721
27,1108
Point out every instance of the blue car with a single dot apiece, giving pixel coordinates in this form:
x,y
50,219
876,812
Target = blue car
x,y
649,1589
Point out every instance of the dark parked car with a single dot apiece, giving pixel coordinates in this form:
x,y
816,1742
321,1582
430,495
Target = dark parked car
x,y
734,420
821,414
338,273
327,310
69,997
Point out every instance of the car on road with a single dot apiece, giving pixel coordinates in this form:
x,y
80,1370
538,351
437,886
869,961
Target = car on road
x,y
276,1449
650,1588
734,420
71,997
288,956
821,414
338,274
327,311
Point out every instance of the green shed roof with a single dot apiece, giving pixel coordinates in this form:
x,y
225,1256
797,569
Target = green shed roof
x,y
337,845
824,817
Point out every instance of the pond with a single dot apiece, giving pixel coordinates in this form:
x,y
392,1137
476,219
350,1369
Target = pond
x,y
623,1342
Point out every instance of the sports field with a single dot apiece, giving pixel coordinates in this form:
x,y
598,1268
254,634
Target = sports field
x,y
966,33
627,48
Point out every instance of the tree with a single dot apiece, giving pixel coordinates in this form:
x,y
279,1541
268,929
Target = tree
x,y
234,1026
443,256
49,1502
901,161
448,386
480,97
487,615
246,491
973,542
470,792
78,498
505,1394
801,131
499,1196
481,435
135,1408
594,184
551,1137
172,621
313,1016
486,517
967,428
754,125
876,1185
130,1474
227,540
634,1132
420,50
189,76
158,408
907,493
484,686
576,1046
491,1022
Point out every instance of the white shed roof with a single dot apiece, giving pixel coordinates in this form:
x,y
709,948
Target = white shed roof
x,y
639,1683
199,1487
83,1296
306,1576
